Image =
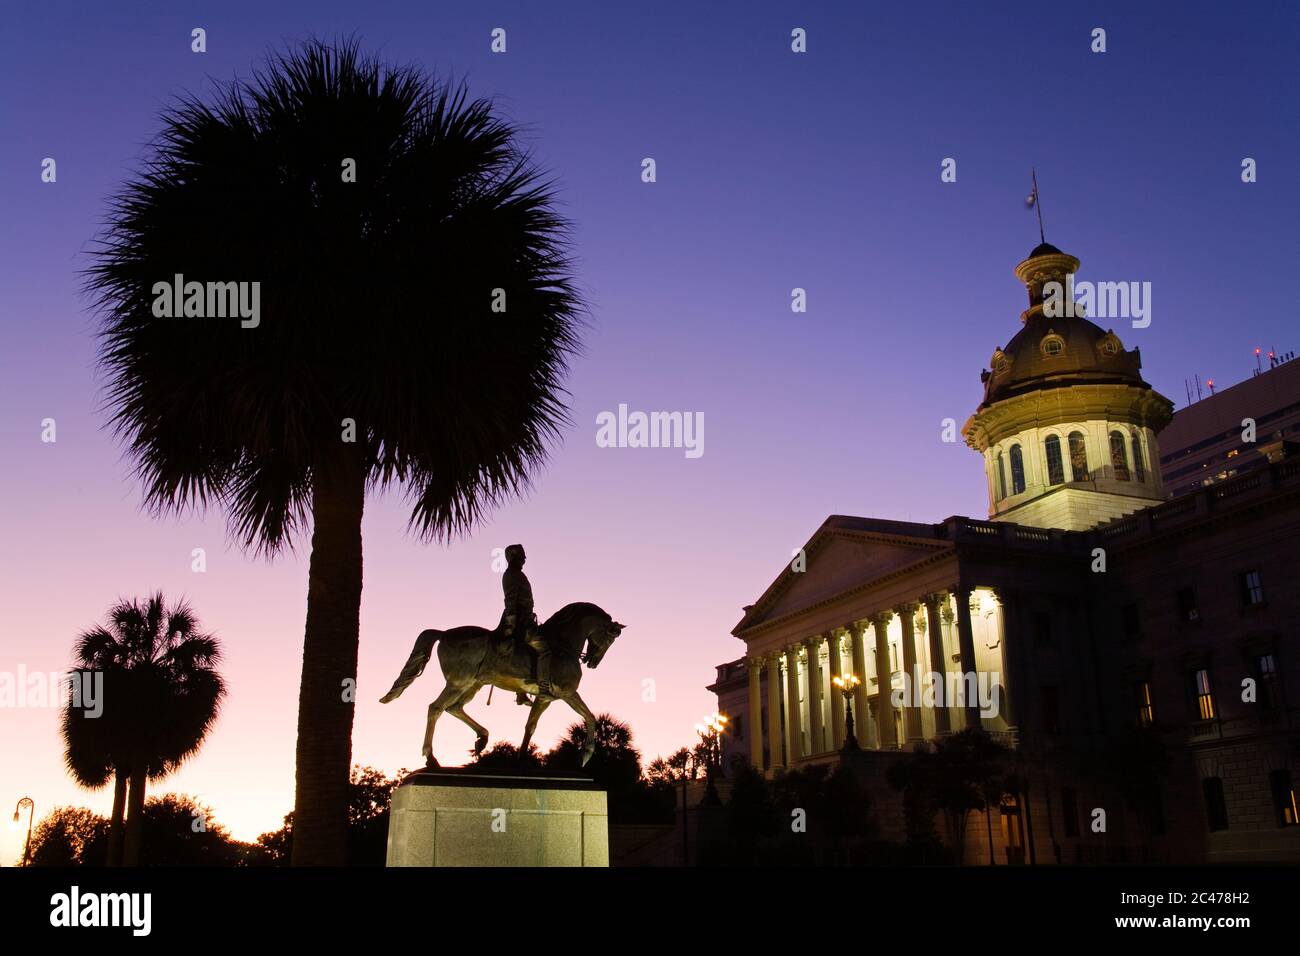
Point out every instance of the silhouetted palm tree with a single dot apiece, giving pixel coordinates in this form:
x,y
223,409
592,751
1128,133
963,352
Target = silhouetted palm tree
x,y
161,695
416,316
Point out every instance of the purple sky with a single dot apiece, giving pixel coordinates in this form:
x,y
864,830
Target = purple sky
x,y
775,170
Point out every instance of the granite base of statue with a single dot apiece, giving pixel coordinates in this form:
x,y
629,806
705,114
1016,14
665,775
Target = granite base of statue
x,y
467,816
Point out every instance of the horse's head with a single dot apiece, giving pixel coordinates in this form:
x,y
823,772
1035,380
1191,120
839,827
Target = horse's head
x,y
601,632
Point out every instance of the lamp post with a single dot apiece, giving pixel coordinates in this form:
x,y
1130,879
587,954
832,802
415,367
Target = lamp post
x,y
847,683
30,805
711,731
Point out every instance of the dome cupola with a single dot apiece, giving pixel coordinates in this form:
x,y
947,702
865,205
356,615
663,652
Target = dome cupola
x,y
1067,425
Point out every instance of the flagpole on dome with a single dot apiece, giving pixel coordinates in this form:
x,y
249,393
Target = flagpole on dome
x,y
1035,203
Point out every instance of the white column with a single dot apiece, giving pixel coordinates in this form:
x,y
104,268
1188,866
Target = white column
x,y
837,698
752,665
795,745
885,728
816,738
775,750
861,716
911,712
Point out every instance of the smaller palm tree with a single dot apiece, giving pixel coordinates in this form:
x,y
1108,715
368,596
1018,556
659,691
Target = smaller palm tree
x,y
161,695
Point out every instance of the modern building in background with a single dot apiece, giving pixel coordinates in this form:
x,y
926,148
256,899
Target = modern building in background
x,y
1206,441
1139,657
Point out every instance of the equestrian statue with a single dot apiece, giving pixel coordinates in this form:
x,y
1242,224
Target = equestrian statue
x,y
520,655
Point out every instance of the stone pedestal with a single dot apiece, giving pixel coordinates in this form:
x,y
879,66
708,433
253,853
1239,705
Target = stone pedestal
x,y
471,817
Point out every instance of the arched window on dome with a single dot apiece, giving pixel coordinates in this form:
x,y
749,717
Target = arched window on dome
x,y
1139,468
1055,467
1078,457
1118,457
1017,470
1002,478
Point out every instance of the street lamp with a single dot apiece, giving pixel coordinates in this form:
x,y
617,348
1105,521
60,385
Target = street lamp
x,y
30,805
848,683
711,731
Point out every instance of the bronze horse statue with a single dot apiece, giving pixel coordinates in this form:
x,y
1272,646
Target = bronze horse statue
x,y
469,662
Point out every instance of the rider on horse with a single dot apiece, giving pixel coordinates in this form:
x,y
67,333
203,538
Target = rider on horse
x,y
519,622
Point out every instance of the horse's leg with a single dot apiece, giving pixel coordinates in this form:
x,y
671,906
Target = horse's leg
x,y
448,697
457,710
539,707
589,743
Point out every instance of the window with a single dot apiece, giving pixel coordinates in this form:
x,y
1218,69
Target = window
x,y
1017,470
1131,622
1139,468
1216,811
1187,609
1052,345
1055,468
1266,682
1078,457
1070,811
1051,711
893,657
1042,628
1252,589
1109,345
1118,459
1288,815
1146,715
1002,479
738,727
1204,695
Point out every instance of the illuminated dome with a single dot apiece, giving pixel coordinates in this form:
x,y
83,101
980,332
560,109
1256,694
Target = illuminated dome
x,y
1067,426
1058,353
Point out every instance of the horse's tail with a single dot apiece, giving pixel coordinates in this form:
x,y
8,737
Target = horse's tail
x,y
420,655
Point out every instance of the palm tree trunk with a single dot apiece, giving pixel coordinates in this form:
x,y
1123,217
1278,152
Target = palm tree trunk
x,y
115,821
956,835
988,823
134,820
329,658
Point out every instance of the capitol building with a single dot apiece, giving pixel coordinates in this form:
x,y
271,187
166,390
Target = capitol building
x,y
1088,618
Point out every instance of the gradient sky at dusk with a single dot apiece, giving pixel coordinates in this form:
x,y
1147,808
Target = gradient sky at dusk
x,y
775,170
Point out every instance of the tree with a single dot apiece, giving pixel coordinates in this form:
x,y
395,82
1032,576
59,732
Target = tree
x,y
676,767
506,756
958,773
752,816
178,831
62,837
615,765
161,695
834,808
414,317
370,794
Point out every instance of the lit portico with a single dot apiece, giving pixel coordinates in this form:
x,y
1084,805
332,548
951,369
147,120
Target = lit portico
x,y
925,615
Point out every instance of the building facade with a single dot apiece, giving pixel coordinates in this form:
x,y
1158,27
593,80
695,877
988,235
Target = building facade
x,y
1208,440
1138,657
